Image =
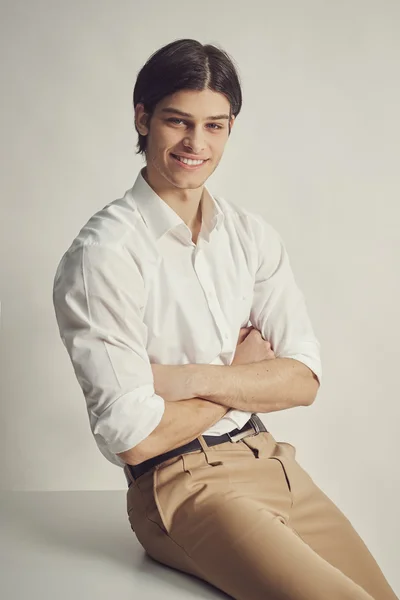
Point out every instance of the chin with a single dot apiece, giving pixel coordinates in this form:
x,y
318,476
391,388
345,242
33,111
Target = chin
x,y
186,185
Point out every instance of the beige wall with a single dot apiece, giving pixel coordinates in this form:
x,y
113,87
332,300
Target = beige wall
x,y
315,150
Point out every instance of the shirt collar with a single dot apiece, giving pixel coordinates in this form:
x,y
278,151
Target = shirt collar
x,y
161,218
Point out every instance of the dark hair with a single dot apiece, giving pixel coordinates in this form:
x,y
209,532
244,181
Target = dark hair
x,y
185,64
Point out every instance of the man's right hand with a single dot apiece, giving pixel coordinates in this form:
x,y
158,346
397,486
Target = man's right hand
x,y
251,347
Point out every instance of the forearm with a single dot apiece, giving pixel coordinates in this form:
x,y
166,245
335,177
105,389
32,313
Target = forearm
x,y
265,386
181,423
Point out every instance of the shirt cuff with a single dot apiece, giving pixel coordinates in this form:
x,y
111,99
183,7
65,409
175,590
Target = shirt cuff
x,y
129,420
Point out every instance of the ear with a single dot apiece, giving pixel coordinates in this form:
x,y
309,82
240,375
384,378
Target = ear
x,y
141,119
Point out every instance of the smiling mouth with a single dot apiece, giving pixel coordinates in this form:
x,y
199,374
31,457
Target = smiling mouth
x,y
190,164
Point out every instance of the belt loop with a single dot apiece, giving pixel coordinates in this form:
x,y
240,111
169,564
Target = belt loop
x,y
128,474
207,451
254,419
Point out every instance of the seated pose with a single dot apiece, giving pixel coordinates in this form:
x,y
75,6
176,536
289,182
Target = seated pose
x,y
184,324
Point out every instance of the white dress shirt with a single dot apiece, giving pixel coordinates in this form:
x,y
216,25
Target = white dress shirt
x,y
134,289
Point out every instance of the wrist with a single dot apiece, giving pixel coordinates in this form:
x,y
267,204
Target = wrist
x,y
196,381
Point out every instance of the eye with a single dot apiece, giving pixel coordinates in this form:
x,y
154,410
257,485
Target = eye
x,y
174,120
177,121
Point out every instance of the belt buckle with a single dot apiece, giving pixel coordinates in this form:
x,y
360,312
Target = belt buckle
x,y
239,436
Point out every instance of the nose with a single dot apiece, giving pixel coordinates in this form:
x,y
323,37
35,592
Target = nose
x,y
195,141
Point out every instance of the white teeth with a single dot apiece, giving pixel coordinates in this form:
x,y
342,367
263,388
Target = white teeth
x,y
189,161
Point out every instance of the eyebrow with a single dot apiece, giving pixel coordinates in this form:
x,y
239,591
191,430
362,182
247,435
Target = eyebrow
x,y
185,114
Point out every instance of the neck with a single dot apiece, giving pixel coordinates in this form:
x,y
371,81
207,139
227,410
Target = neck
x,y
185,202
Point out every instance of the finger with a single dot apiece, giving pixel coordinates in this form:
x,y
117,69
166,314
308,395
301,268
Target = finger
x,y
244,331
255,332
247,329
241,337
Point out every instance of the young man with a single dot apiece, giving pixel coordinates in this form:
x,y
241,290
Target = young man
x,y
152,300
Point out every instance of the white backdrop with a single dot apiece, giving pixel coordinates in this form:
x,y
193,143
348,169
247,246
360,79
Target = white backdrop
x,y
315,150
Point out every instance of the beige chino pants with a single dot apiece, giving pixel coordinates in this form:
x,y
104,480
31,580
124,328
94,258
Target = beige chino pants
x,y
248,519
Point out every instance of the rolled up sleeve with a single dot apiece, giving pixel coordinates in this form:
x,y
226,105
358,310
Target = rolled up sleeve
x,y
279,308
98,297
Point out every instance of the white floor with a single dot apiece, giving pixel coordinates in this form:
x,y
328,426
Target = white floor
x,y
79,546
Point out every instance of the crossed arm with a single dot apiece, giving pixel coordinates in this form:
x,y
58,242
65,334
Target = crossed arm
x,y
207,392
264,386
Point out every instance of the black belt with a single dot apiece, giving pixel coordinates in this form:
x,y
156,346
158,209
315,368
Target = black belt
x,y
253,426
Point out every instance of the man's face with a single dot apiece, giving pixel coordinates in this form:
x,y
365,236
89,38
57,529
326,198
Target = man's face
x,y
172,134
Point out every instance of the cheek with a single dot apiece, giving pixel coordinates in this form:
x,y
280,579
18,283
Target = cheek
x,y
217,148
159,141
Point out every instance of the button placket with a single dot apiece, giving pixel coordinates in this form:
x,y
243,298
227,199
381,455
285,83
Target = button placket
x,y
214,306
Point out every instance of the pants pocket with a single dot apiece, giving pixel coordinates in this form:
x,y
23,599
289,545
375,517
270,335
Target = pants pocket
x,y
168,491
